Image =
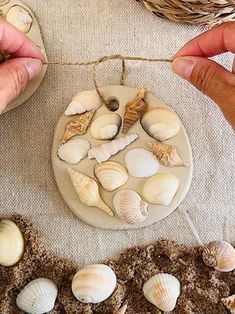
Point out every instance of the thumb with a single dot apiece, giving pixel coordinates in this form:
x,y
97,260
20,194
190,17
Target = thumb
x,y
14,76
210,78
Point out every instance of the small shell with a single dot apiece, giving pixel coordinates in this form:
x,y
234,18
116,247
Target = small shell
x,y
78,126
111,175
220,255
74,151
88,191
141,163
94,283
161,189
130,207
106,127
160,123
20,18
230,303
11,243
162,290
38,296
84,101
105,151
122,310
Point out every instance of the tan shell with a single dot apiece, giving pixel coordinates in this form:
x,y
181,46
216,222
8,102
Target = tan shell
x,y
106,127
20,18
73,151
230,303
122,310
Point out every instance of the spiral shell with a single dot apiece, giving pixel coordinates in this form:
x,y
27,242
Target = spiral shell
x,y
74,151
20,18
106,127
230,303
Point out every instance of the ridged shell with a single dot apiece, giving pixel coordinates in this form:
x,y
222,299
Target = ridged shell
x,y
88,191
111,175
38,296
230,303
106,127
161,189
130,207
122,310
141,163
74,151
11,243
84,101
160,123
94,283
20,18
220,255
162,290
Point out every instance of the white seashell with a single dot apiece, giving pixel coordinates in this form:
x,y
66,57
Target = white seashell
x,y
38,296
84,101
106,127
11,243
74,151
105,151
88,191
111,175
141,163
161,189
162,290
130,207
230,303
20,18
160,123
94,283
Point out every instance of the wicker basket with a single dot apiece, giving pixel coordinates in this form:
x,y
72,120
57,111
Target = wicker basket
x,y
199,12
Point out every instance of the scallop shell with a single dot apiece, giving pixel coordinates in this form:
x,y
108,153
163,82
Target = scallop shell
x,y
11,243
105,151
94,283
230,303
38,296
130,207
106,127
20,18
111,175
122,310
74,151
220,255
84,101
161,189
160,123
88,191
141,163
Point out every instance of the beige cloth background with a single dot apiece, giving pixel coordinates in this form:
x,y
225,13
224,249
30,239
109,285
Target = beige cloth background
x,y
80,30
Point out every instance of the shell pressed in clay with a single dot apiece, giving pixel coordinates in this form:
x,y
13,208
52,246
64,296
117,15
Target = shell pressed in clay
x,y
20,18
105,151
160,123
84,101
163,291
130,207
74,151
220,255
88,191
229,303
141,163
134,110
38,296
94,283
77,126
106,127
111,175
11,243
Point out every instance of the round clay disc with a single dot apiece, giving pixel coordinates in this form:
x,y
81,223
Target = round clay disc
x,y
35,34
94,216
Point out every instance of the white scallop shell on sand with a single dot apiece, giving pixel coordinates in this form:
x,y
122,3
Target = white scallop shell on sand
x,y
74,151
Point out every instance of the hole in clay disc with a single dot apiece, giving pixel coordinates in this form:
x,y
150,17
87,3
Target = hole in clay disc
x,y
112,104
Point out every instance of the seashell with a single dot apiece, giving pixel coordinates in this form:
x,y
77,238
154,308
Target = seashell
x,y
105,151
74,151
88,191
78,126
84,101
11,243
38,296
94,283
20,18
230,303
220,255
161,189
130,207
122,310
134,110
162,290
160,123
111,175
106,127
141,163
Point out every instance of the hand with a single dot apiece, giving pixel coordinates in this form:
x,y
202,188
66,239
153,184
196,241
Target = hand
x,y
192,63
25,63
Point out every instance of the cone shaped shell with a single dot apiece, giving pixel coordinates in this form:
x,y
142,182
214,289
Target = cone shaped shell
x,y
106,127
20,18
74,151
230,303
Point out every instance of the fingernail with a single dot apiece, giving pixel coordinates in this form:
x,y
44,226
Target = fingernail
x,y
183,67
34,67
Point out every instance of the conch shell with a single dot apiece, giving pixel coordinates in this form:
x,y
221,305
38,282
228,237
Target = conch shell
x,y
134,110
20,18
230,303
122,310
88,191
